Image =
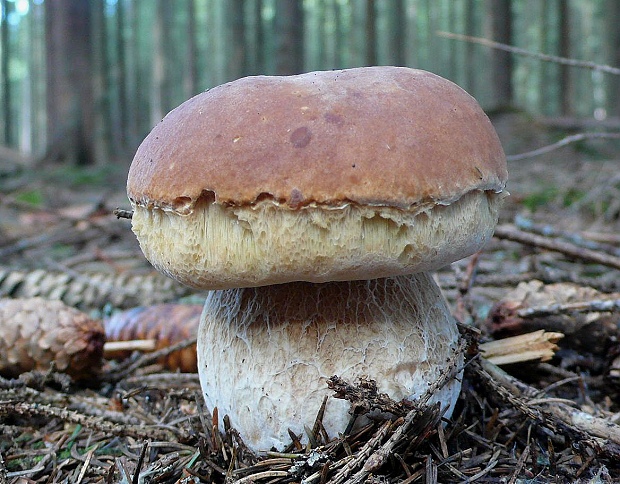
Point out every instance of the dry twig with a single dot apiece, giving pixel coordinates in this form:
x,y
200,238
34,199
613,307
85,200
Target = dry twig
x,y
508,232
28,409
551,413
583,239
593,306
131,366
574,138
544,57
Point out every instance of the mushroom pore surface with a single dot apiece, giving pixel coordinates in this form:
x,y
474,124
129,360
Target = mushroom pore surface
x,y
220,247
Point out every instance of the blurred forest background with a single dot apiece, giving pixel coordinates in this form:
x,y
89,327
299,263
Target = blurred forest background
x,y
83,81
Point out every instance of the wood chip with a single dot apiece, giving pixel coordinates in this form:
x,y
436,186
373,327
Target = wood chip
x,y
538,345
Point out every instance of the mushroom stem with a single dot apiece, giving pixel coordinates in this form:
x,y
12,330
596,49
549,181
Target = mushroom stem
x,y
266,353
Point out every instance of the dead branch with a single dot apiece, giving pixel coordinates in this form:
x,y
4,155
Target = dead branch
x,y
89,406
551,413
131,366
362,455
509,232
559,144
594,306
543,57
262,475
110,348
365,397
576,124
450,281
122,213
463,309
587,240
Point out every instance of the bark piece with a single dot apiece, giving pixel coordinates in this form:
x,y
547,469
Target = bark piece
x,y
533,305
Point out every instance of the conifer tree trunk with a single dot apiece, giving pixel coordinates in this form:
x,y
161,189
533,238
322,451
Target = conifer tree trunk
x,y
70,106
567,91
371,33
5,82
501,28
613,45
238,49
289,37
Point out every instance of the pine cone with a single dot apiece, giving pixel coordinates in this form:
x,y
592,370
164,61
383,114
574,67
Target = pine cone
x,y
35,332
167,324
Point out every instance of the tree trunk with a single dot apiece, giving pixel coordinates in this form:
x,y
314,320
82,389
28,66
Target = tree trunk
x,y
34,85
397,32
289,37
471,74
158,82
191,76
7,127
371,33
123,101
613,43
236,19
70,106
567,91
255,35
101,83
501,28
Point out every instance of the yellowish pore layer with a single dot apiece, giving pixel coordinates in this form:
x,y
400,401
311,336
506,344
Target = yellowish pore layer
x,y
220,247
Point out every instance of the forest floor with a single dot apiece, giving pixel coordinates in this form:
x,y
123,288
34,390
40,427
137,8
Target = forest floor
x,y
551,421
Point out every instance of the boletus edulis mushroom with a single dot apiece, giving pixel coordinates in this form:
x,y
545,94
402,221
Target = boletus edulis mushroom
x,y
313,207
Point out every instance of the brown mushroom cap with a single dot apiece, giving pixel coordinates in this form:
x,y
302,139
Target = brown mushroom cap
x,y
335,175
389,136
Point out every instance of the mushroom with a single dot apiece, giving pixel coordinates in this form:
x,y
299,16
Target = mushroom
x,y
313,207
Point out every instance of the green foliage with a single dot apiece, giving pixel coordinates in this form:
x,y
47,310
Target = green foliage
x,y
25,461
65,453
538,199
80,176
588,149
571,196
32,197
565,197
62,251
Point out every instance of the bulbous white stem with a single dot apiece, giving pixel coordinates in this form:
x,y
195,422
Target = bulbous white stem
x,y
264,354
